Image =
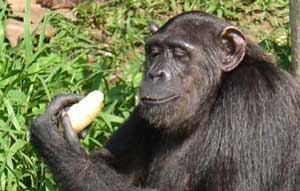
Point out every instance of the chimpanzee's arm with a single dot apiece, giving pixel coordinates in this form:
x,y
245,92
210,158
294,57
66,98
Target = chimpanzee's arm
x,y
72,168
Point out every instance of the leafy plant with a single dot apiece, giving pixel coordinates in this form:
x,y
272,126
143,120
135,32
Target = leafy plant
x,y
102,50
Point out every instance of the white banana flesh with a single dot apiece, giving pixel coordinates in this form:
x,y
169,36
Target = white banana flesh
x,y
86,110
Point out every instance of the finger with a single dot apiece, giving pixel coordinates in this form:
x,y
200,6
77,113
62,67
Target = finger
x,y
83,133
63,100
70,134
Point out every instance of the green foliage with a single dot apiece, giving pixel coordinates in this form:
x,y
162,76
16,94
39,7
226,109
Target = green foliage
x,y
102,50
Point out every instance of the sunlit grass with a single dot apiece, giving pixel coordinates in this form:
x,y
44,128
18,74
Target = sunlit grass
x,y
102,50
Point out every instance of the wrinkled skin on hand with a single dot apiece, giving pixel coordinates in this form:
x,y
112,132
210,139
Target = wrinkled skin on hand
x,y
56,112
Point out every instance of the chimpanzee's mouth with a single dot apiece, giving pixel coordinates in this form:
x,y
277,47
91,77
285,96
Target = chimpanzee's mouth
x,y
152,100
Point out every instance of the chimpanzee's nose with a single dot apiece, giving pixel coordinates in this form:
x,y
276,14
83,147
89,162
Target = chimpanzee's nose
x,y
160,75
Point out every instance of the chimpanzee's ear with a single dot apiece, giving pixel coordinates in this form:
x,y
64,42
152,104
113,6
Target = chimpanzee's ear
x,y
234,47
153,26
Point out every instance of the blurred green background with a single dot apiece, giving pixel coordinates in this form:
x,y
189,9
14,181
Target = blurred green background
x,y
103,49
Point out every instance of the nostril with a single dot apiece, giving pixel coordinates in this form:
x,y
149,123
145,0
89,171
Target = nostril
x,y
164,75
150,75
159,75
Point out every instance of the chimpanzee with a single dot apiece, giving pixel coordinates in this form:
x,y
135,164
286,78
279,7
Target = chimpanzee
x,y
215,114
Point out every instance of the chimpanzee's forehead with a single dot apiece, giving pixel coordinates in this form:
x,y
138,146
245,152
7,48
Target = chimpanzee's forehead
x,y
171,40
194,26
189,32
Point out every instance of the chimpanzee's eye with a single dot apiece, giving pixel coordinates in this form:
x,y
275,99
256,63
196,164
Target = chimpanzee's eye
x,y
154,51
179,53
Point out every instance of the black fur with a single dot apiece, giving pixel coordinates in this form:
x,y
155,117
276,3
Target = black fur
x,y
233,131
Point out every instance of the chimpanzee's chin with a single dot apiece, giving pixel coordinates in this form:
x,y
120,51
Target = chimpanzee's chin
x,y
159,115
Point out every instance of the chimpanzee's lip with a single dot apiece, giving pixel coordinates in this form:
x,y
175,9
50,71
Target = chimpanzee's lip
x,y
152,100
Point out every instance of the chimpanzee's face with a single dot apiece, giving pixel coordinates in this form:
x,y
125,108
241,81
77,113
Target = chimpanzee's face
x,y
185,60
173,81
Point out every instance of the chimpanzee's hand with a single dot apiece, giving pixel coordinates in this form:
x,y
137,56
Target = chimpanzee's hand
x,y
45,127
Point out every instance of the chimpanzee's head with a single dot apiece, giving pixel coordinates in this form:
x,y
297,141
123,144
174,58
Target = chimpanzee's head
x,y
185,61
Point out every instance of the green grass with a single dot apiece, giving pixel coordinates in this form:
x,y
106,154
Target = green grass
x,y
112,35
